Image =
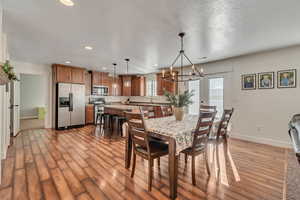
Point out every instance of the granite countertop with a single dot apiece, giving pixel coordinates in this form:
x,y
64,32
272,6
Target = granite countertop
x,y
148,103
122,107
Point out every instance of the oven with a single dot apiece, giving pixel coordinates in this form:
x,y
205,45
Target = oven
x,y
98,106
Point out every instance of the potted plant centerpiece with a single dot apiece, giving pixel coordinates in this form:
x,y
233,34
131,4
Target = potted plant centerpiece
x,y
178,102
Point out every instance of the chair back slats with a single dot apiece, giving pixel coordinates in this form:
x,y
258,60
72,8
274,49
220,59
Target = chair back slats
x,y
201,133
166,111
139,137
137,130
223,126
208,108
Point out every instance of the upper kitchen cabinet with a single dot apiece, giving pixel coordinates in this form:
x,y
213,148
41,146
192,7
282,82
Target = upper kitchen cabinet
x,y
115,86
138,86
126,85
163,85
68,74
88,83
78,75
100,78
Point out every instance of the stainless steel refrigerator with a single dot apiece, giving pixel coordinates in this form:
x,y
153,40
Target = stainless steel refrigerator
x,y
70,107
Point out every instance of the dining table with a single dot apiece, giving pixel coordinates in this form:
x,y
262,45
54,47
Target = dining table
x,y
178,135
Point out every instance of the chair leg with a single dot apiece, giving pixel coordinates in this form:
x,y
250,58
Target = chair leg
x,y
217,155
150,173
193,170
133,165
185,158
206,161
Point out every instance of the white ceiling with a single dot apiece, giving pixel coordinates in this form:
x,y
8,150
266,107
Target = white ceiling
x,y
45,31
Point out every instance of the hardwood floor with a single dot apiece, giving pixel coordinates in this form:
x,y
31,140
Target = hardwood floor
x,y
75,164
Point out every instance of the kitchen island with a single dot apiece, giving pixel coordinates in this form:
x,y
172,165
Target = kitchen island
x,y
120,109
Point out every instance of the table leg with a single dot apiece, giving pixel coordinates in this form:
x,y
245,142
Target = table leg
x,y
173,168
128,147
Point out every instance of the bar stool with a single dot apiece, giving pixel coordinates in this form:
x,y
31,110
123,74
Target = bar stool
x,y
104,120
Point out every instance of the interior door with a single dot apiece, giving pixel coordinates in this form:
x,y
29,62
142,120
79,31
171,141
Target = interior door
x,y
78,111
16,106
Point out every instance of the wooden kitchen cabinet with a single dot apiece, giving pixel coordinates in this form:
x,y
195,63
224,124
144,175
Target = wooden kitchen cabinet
x,y
89,114
163,85
96,78
78,75
63,74
88,83
100,78
137,86
115,91
126,85
68,74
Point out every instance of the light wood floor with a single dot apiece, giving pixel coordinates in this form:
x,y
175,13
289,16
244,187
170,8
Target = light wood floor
x,y
26,124
77,165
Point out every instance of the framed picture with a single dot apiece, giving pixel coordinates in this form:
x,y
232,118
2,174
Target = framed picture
x,y
286,78
249,82
266,80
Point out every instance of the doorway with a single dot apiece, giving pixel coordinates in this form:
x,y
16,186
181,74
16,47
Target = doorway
x,y
32,98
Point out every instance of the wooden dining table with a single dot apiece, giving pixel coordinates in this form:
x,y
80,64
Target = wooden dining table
x,y
178,135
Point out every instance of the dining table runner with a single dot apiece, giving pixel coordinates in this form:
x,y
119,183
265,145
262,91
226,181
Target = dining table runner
x,y
181,131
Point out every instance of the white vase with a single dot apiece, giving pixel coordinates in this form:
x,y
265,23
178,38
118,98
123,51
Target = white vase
x,y
178,113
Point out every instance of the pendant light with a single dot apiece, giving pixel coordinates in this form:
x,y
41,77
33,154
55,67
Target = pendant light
x,y
127,83
114,85
175,76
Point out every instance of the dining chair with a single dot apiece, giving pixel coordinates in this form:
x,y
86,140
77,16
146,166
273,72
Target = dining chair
x,y
199,145
222,133
206,108
223,125
166,111
143,146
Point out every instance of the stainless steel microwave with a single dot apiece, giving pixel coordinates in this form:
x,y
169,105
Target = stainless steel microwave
x,y
100,90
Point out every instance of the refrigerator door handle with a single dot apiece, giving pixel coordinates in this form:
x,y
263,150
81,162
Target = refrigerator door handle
x,y
71,102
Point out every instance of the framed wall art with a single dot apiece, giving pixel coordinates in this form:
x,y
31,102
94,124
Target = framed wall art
x,y
287,78
249,82
265,80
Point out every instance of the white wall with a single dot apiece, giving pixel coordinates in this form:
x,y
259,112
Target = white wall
x,y
46,73
4,98
33,91
260,115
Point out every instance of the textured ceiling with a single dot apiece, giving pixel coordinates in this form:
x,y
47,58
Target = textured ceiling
x,y
146,30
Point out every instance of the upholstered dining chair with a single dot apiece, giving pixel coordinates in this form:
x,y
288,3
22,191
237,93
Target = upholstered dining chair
x,y
143,146
201,134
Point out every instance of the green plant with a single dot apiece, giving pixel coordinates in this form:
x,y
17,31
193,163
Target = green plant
x,y
180,100
8,69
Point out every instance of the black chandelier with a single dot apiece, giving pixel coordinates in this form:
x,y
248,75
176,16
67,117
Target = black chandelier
x,y
175,76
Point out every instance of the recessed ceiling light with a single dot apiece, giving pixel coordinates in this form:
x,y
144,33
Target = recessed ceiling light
x,y
204,57
67,2
104,68
155,65
68,62
88,48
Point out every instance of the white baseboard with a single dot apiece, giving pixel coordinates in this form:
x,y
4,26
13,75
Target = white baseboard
x,y
262,140
29,117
